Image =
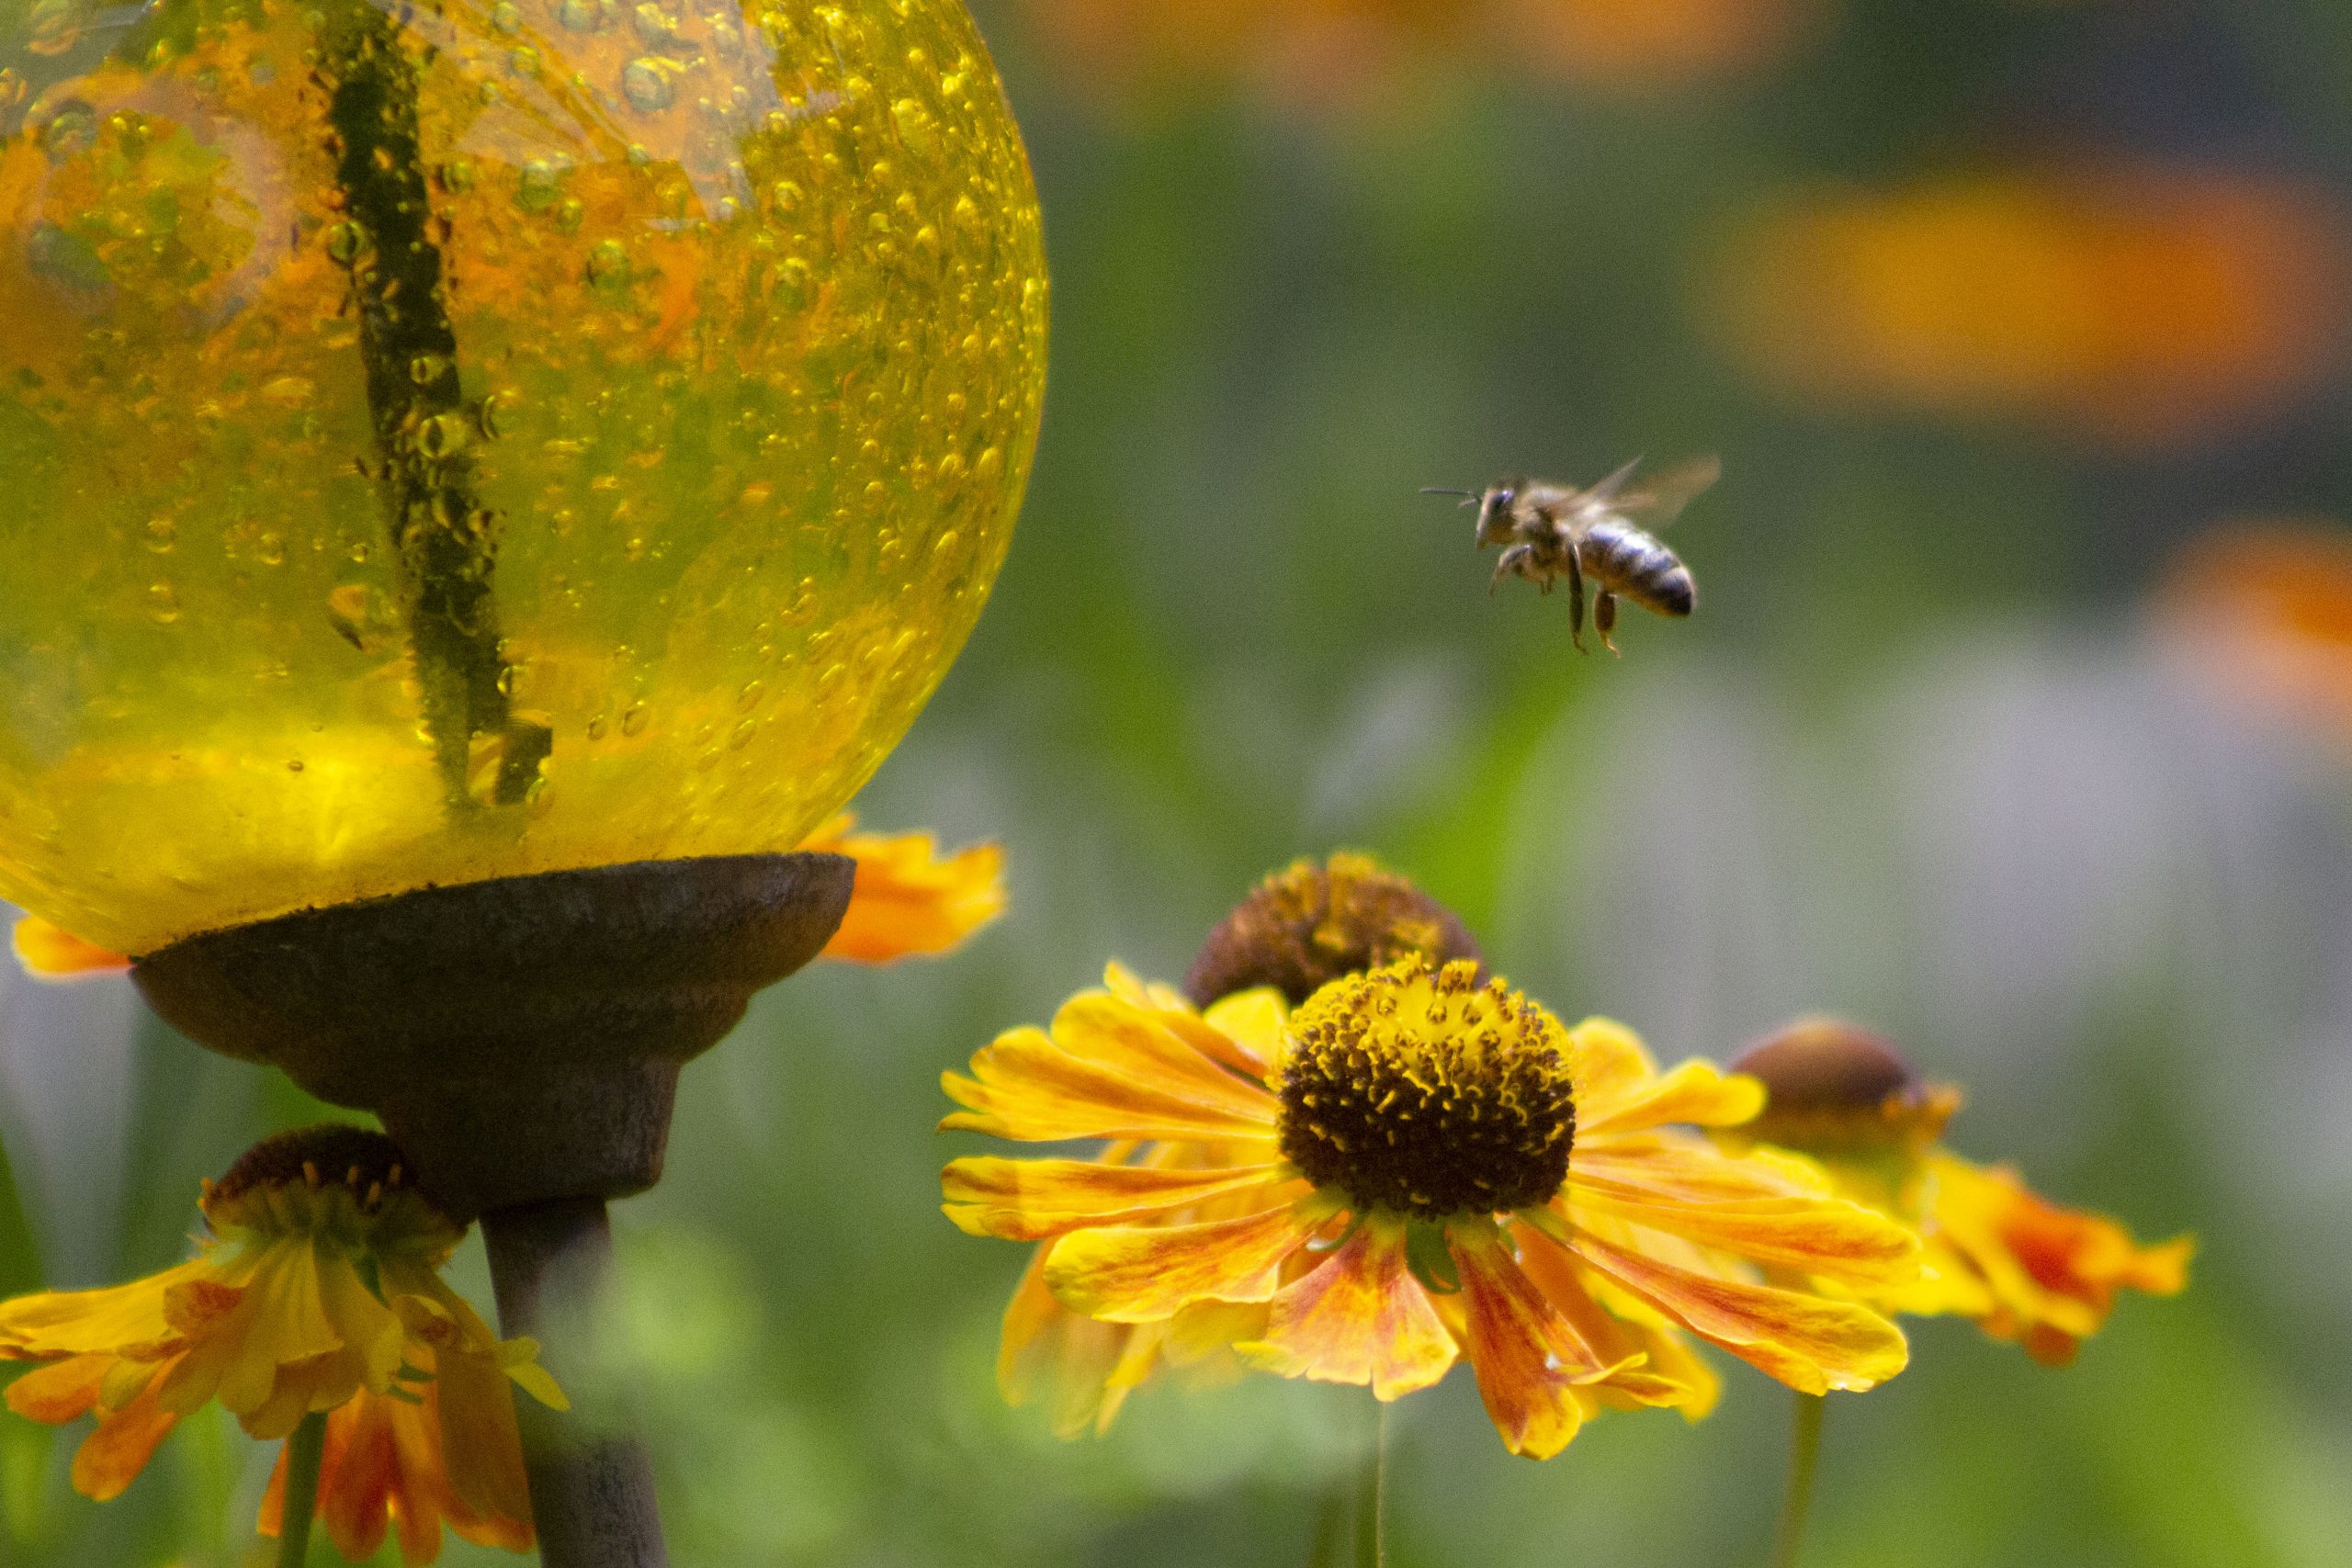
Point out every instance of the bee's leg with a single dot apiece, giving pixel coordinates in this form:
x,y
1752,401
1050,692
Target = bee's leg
x,y
1510,560
1575,598
1604,617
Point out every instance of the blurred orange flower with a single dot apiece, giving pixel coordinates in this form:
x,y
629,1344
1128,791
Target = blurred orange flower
x,y
2139,306
2265,604
1412,1168
1629,43
2022,1267
910,901
1321,55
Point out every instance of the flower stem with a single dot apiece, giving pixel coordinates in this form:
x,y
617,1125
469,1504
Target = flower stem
x,y
1372,1523
304,1449
1805,1449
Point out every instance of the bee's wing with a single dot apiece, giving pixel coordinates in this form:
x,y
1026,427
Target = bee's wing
x,y
1659,500
1605,493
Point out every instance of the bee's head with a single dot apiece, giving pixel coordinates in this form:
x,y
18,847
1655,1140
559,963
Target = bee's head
x,y
1493,513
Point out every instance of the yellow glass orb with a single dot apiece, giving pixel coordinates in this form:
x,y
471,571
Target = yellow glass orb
x,y
449,439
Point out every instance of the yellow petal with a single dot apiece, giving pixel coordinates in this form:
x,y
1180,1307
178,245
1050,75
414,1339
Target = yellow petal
x,y
1824,1236
52,952
1027,1087
1359,1317
1811,1343
1035,1199
69,1322
1159,1047
1610,1066
1144,1274
1698,1093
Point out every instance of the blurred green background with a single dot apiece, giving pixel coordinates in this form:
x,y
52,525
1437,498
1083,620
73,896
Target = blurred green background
x,y
1990,308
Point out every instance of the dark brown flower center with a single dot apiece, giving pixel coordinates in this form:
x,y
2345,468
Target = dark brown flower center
x,y
328,1178
1833,1089
1417,1091
1300,929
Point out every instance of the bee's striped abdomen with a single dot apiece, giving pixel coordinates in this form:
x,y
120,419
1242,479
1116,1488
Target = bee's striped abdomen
x,y
1633,565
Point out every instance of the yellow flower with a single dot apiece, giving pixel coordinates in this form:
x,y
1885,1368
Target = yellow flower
x,y
1409,1168
1297,929
318,1290
909,901
2023,1268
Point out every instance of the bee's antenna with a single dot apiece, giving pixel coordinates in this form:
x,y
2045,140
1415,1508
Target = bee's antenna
x,y
1467,495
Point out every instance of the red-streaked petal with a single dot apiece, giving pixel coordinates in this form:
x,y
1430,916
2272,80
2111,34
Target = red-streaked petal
x,y
1357,1317
1812,1343
1145,1273
1618,1328
63,1391
1682,1166
1035,1200
110,1458
2052,1272
1530,1362
1824,1236
1698,1093
1211,1033
1026,1088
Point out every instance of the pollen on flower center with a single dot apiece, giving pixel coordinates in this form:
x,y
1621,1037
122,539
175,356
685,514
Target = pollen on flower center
x,y
1419,1091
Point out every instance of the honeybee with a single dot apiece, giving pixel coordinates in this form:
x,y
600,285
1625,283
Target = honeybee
x,y
1549,531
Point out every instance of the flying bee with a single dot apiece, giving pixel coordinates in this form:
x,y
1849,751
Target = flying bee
x,y
1549,531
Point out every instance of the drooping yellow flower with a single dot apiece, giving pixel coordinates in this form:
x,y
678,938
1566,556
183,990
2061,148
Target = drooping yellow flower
x,y
1413,1168
910,901
317,1290
2023,1268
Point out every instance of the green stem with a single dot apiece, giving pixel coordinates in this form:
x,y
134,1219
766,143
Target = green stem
x,y
304,1449
1804,1451
1327,1548
1372,1523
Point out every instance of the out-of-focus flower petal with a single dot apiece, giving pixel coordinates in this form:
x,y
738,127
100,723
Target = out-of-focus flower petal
x,y
2053,1273
909,900
1358,1316
51,953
